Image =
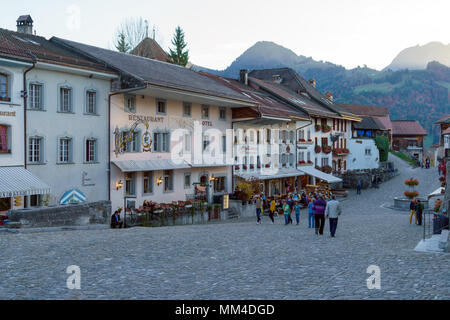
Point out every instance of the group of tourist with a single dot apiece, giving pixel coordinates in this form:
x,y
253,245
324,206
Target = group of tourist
x,y
321,207
416,211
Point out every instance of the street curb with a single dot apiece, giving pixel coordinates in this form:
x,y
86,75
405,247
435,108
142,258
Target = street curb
x,y
56,229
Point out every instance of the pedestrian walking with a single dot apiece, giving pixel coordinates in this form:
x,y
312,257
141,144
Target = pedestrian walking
x,y
259,207
332,212
319,214
412,208
291,208
286,212
419,212
358,187
273,205
311,213
297,209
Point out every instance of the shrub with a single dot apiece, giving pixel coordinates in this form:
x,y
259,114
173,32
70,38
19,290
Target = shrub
x,y
382,144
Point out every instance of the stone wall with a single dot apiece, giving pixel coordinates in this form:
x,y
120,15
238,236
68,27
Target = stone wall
x,y
58,216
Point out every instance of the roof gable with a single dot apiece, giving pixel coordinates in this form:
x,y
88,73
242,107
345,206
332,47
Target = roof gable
x,y
407,128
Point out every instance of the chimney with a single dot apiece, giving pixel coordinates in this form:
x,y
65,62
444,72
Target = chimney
x,y
25,24
243,76
329,95
312,82
276,78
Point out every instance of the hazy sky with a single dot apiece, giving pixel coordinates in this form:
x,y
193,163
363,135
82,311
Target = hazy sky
x,y
345,32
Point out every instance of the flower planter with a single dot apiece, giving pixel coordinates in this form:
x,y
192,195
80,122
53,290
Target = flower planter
x,y
318,128
317,149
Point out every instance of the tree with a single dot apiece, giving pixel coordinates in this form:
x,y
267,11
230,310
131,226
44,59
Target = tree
x,y
130,33
382,144
121,43
179,55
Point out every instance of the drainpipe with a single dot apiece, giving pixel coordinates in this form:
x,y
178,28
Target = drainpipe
x,y
25,99
109,131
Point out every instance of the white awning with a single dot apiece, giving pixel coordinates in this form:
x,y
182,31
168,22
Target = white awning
x,y
17,181
437,193
269,174
311,171
149,165
155,165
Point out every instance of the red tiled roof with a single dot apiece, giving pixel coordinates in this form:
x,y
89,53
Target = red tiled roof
x,y
149,48
443,119
386,122
407,128
366,110
28,46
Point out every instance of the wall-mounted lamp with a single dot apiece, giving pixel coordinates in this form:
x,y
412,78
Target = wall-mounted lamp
x,y
119,184
159,181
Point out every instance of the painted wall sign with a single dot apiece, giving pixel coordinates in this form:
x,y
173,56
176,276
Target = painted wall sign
x,y
86,181
145,118
207,124
7,113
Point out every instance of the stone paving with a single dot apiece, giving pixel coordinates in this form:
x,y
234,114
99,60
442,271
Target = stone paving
x,y
236,260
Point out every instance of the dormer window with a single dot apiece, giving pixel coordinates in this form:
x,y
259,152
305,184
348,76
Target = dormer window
x,y
4,94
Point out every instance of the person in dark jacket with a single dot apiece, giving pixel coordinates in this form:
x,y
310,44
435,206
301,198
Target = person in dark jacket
x,y
419,212
358,187
116,222
319,207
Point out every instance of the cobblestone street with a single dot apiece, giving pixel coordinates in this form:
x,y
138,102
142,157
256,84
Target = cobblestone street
x,y
237,260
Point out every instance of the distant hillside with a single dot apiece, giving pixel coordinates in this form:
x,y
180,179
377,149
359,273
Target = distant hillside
x,y
418,57
409,94
266,54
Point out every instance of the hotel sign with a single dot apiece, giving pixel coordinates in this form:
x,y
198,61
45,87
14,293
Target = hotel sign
x,y
145,118
7,113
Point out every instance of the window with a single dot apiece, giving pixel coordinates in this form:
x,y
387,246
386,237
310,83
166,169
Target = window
x,y
324,162
291,159
160,106
187,109
222,113
219,184
130,188
301,156
161,141
187,143
291,136
91,150
187,180
368,152
34,151
148,182
324,142
130,103
4,87
132,145
35,201
224,144
64,153
35,95
206,142
309,134
91,102
65,96
168,180
301,134
308,155
269,135
205,112
4,139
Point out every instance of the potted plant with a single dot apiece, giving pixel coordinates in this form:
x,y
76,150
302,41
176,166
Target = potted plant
x,y
244,167
411,194
317,149
252,166
301,162
267,165
346,151
310,162
326,149
326,128
412,182
318,127
237,168
301,140
338,151
327,169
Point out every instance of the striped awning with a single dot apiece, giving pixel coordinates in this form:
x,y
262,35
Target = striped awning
x,y
269,174
159,165
17,181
